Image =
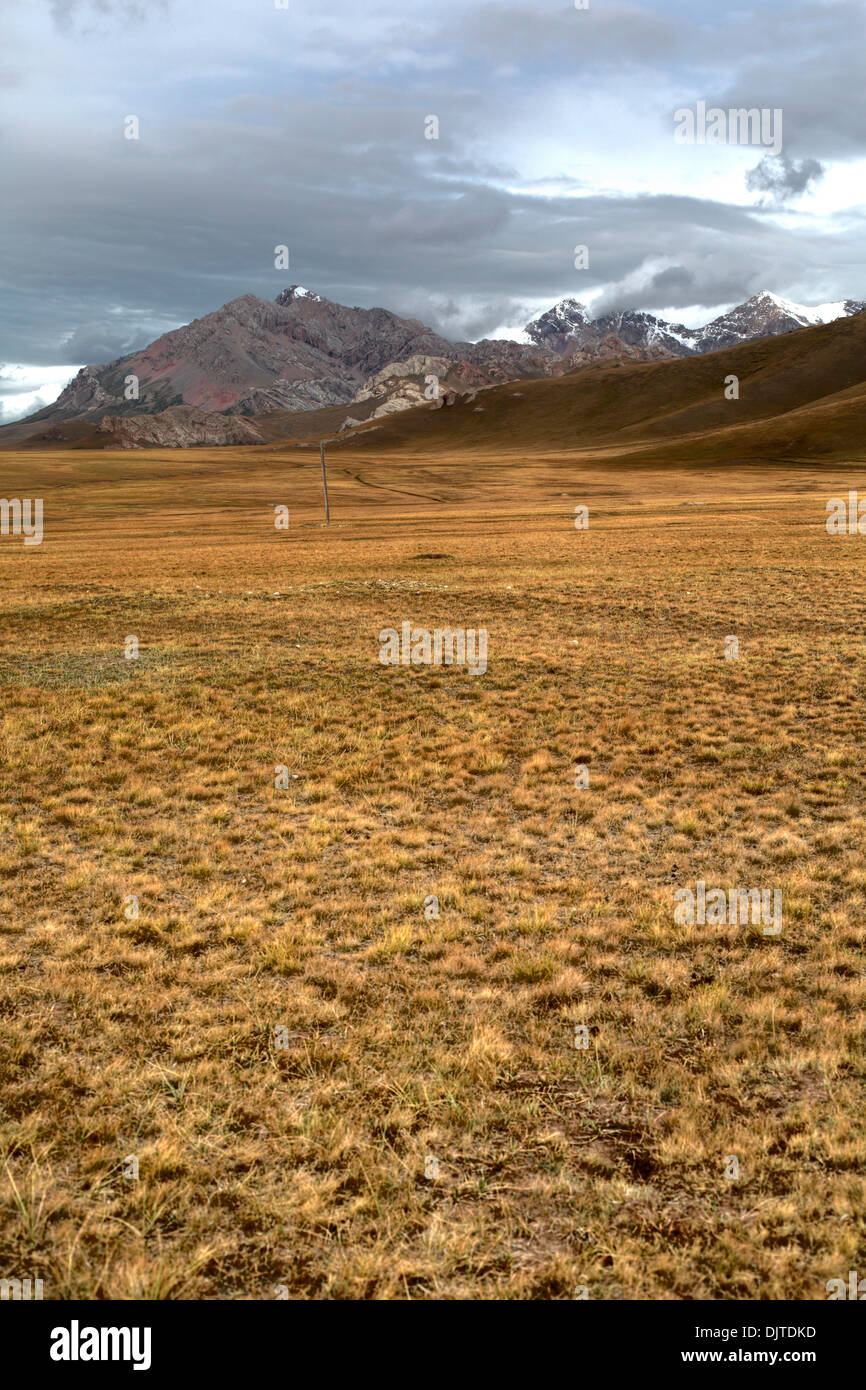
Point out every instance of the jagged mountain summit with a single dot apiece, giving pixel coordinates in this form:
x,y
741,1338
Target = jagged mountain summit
x,y
560,323
569,325
766,315
253,355
296,292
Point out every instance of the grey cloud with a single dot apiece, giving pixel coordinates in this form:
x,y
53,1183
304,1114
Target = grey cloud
x,y
674,283
811,67
782,177
464,319
472,215
614,32
100,342
712,269
85,14
176,241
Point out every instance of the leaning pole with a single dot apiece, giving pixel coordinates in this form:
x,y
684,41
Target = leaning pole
x,y
325,484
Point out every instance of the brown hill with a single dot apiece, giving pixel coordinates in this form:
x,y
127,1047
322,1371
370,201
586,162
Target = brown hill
x,y
800,395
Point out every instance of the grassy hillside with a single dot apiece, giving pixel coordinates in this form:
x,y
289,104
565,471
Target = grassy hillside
x,y
801,395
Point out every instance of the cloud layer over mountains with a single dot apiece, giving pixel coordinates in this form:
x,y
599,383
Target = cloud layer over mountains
x,y
305,126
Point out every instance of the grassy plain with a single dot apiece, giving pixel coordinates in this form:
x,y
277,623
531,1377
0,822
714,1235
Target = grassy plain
x,y
410,1038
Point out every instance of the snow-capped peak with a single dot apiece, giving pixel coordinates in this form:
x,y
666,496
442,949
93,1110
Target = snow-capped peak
x,y
297,292
763,315
562,319
806,313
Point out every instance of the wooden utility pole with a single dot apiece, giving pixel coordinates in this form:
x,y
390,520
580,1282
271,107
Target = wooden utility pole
x,y
325,484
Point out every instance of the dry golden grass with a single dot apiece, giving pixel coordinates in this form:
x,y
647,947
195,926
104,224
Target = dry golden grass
x,y
409,1037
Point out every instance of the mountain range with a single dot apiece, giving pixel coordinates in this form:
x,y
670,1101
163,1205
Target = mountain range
x,y
302,353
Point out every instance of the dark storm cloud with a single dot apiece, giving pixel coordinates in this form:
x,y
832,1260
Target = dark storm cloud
x,y
475,215
810,66
102,341
673,285
172,241
782,178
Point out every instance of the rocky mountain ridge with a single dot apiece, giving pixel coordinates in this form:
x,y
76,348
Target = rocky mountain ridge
x,y
765,315
303,352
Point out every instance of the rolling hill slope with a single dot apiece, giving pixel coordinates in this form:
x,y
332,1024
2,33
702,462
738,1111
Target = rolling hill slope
x,y
802,394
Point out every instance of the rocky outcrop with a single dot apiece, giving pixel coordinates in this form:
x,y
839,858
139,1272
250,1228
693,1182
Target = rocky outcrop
x,y
85,395
421,380
414,381
180,427
612,348
294,395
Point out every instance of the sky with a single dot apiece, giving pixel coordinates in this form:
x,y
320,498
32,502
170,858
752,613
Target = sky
x,y
306,125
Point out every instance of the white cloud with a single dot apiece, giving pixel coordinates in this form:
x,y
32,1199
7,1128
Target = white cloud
x,y
24,389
